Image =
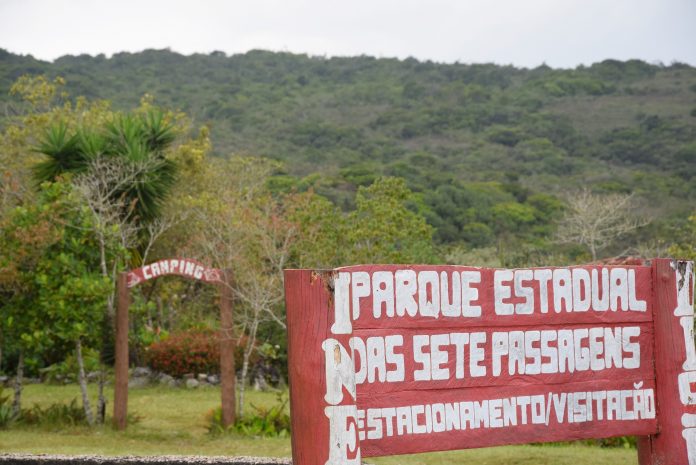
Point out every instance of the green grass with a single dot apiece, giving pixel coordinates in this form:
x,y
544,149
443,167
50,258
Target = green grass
x,y
173,422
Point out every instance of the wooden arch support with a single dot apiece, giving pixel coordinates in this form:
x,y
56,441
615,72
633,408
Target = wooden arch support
x,y
189,269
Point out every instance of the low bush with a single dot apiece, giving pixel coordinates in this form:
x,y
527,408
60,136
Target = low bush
x,y
262,422
6,415
66,371
192,351
57,414
623,442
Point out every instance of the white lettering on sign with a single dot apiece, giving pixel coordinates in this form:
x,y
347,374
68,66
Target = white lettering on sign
x,y
574,290
456,294
376,359
186,268
580,349
343,435
563,407
340,372
424,356
460,355
343,430
687,379
342,320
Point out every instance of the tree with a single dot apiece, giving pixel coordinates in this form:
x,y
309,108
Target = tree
x,y
382,228
136,143
25,235
53,290
123,175
38,108
596,221
121,168
685,246
71,290
322,228
242,227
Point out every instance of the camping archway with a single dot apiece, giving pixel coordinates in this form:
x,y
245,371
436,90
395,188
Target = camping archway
x,y
186,268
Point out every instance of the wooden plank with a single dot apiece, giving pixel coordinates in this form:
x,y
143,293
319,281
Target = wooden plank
x,y
307,303
121,362
227,346
440,359
453,419
675,365
376,294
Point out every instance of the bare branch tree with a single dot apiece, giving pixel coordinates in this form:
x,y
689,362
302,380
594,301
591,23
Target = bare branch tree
x,y
596,221
98,188
243,228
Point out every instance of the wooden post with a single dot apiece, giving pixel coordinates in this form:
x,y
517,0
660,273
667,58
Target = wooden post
x,y
675,367
307,291
121,363
227,345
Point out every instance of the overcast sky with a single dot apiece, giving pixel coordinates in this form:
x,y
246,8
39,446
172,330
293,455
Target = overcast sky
x,y
561,33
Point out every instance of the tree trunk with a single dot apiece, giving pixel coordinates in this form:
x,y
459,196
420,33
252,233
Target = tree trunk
x,y
17,403
101,402
83,383
245,363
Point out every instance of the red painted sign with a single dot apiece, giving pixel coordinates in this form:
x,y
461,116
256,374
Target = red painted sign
x,y
391,359
177,266
189,269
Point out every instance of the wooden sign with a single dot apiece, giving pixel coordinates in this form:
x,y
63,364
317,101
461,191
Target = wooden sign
x,y
394,359
174,266
191,269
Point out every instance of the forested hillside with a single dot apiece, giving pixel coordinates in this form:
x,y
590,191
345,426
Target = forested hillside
x,y
493,152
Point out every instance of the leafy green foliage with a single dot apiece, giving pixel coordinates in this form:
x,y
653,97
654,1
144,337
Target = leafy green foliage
x,y
56,415
341,123
684,246
54,293
66,371
7,416
71,293
138,140
263,421
383,229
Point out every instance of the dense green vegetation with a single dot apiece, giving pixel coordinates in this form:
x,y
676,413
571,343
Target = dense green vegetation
x,y
489,149
88,192
266,161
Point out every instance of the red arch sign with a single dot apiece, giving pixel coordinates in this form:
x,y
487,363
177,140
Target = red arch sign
x,y
184,267
190,269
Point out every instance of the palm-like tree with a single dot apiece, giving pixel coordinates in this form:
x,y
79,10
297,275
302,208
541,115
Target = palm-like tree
x,y
135,141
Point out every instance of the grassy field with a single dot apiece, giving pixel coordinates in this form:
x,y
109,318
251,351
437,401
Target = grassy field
x,y
173,422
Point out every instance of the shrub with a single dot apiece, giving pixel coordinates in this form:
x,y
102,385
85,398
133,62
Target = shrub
x,y
192,351
263,422
60,415
66,371
6,415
